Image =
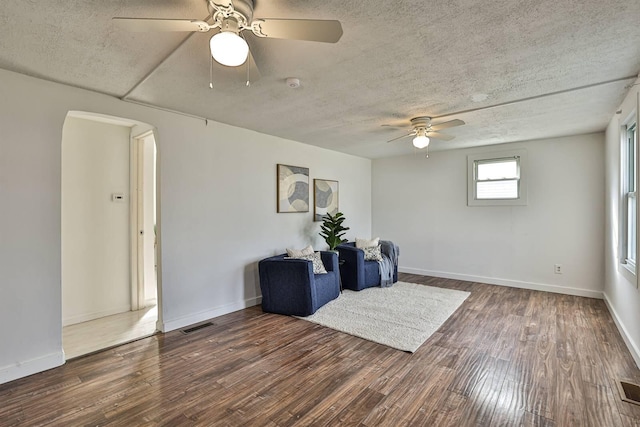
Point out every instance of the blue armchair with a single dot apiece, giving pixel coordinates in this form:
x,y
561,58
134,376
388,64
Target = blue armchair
x,y
358,274
290,287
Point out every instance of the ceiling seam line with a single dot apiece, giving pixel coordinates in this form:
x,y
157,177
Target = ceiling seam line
x,y
110,95
60,82
532,98
154,69
168,110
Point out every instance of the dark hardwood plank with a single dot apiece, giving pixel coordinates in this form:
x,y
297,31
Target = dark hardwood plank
x,y
403,404
447,411
601,409
506,357
511,405
533,420
485,394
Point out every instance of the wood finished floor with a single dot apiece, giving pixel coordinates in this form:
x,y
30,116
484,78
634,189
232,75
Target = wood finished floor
x,y
88,337
507,357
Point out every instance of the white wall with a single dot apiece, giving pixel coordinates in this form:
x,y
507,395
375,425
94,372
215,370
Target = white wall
x,y
95,229
421,204
148,178
621,294
217,218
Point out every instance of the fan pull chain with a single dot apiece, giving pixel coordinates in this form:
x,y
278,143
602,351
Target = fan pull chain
x,y
427,156
248,61
211,72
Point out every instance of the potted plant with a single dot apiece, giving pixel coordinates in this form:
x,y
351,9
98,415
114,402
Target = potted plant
x,y
332,230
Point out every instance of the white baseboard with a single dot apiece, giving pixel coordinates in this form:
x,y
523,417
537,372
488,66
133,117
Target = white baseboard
x,y
506,282
633,348
85,317
30,367
181,322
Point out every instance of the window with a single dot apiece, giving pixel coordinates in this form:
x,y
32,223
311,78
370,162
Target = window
x,y
497,179
629,208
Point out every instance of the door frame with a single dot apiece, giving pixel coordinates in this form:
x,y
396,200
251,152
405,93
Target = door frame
x,y
137,218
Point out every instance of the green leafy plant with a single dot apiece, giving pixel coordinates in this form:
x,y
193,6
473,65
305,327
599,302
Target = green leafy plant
x,y
332,230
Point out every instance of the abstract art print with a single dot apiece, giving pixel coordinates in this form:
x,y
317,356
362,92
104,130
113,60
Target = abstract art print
x,y
293,189
325,194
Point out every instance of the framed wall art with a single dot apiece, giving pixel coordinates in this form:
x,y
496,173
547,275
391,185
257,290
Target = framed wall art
x,y
293,188
325,196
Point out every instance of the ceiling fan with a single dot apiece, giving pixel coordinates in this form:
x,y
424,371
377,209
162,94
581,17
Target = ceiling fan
x,y
423,131
232,17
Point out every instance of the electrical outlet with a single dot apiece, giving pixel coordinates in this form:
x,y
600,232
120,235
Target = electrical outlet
x,y
557,268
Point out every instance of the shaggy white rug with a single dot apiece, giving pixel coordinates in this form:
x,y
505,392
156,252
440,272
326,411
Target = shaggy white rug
x,y
402,316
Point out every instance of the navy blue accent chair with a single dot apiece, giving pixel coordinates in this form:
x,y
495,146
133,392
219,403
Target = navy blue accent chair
x,y
358,274
290,287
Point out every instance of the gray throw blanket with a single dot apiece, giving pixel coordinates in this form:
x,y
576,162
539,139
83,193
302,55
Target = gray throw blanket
x,y
390,253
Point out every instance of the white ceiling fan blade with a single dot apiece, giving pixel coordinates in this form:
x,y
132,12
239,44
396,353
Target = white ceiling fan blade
x,y
300,29
403,136
441,136
449,124
152,24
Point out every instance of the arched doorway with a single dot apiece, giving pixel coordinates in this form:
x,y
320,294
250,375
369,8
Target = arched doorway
x,y
110,292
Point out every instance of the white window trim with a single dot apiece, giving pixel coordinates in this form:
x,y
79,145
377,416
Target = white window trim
x,y
522,200
630,121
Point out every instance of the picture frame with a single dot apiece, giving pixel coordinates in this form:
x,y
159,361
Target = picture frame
x,y
325,198
292,188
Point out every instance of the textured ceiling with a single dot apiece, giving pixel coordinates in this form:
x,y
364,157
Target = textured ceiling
x,y
541,67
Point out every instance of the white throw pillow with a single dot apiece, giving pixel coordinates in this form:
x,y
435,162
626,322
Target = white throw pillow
x,y
366,243
297,253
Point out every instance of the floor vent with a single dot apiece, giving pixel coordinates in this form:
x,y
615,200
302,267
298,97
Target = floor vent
x,y
196,328
630,392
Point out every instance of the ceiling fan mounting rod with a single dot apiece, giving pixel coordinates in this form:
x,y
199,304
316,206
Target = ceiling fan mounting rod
x,y
221,14
242,14
220,7
421,122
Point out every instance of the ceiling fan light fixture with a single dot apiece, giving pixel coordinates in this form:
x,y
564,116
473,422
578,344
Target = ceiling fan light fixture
x,y
421,140
229,49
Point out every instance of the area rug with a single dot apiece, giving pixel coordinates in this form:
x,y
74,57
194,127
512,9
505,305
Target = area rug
x,y
402,316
